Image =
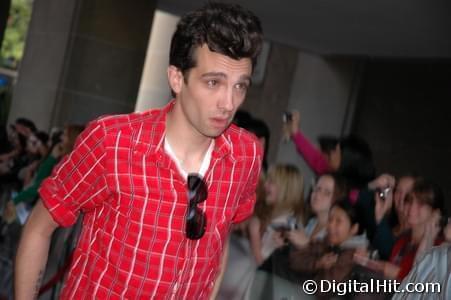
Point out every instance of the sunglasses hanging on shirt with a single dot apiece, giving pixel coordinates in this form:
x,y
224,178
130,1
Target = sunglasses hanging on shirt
x,y
196,219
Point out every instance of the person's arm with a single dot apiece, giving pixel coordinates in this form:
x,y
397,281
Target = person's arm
x,y
430,235
225,258
255,239
390,270
308,259
32,253
375,215
383,239
298,238
342,267
312,155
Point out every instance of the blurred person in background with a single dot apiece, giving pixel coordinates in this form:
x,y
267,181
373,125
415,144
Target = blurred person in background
x,y
433,268
29,194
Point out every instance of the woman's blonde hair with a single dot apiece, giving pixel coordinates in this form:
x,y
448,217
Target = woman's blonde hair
x,y
290,185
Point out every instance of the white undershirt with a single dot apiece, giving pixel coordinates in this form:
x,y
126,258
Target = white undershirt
x,y
205,162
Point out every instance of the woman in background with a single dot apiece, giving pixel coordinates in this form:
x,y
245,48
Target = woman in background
x,y
284,189
328,188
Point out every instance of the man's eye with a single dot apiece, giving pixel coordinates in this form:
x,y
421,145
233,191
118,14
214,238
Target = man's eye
x,y
212,83
241,86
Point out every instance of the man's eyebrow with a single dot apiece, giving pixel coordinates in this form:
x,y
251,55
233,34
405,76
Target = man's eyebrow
x,y
246,78
223,75
214,74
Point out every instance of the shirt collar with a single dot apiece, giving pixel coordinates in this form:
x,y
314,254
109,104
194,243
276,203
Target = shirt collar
x,y
223,144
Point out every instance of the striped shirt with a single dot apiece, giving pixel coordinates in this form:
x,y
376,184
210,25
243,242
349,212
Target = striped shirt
x,y
431,277
134,200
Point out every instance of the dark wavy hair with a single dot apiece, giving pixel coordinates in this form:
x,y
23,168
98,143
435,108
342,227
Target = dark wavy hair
x,y
353,212
227,29
428,193
357,164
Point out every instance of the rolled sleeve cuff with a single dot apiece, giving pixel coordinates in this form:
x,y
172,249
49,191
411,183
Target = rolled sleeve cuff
x,y
59,212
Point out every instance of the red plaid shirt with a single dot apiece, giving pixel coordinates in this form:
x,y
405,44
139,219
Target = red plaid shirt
x,y
134,201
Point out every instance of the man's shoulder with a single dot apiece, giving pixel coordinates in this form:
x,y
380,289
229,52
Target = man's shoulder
x,y
134,120
242,142
240,136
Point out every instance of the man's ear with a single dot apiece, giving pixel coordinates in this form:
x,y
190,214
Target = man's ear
x,y
175,78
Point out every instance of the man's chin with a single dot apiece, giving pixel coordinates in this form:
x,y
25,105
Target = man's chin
x,y
214,133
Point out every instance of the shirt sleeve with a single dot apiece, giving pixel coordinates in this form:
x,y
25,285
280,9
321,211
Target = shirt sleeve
x,y
312,155
424,271
248,197
433,268
78,182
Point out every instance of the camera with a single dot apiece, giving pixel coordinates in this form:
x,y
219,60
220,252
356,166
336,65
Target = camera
x,y
287,117
291,224
383,193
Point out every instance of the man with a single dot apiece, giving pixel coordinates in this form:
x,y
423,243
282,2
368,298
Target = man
x,y
152,228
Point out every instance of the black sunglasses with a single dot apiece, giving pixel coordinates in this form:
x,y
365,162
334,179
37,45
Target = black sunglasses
x,y
196,220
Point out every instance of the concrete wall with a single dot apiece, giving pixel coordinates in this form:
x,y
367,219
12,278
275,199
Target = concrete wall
x,y
82,59
269,99
154,89
404,113
323,90
43,62
106,60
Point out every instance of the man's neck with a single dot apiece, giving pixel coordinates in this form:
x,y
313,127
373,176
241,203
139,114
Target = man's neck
x,y
189,146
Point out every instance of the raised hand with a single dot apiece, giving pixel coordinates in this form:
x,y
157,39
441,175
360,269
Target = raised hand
x,y
297,237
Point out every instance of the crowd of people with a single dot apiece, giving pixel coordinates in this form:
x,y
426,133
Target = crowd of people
x,y
354,225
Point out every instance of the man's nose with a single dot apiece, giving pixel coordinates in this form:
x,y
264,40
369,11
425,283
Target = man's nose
x,y
227,102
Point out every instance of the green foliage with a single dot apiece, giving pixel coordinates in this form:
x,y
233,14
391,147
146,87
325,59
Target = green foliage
x,y
15,34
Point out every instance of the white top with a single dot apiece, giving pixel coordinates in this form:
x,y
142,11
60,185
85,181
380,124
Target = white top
x,y
268,242
311,224
203,166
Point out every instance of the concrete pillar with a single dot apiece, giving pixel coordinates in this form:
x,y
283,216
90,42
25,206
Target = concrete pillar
x,y
83,59
269,98
154,90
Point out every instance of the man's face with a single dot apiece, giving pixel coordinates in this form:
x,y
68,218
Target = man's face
x,y
212,91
